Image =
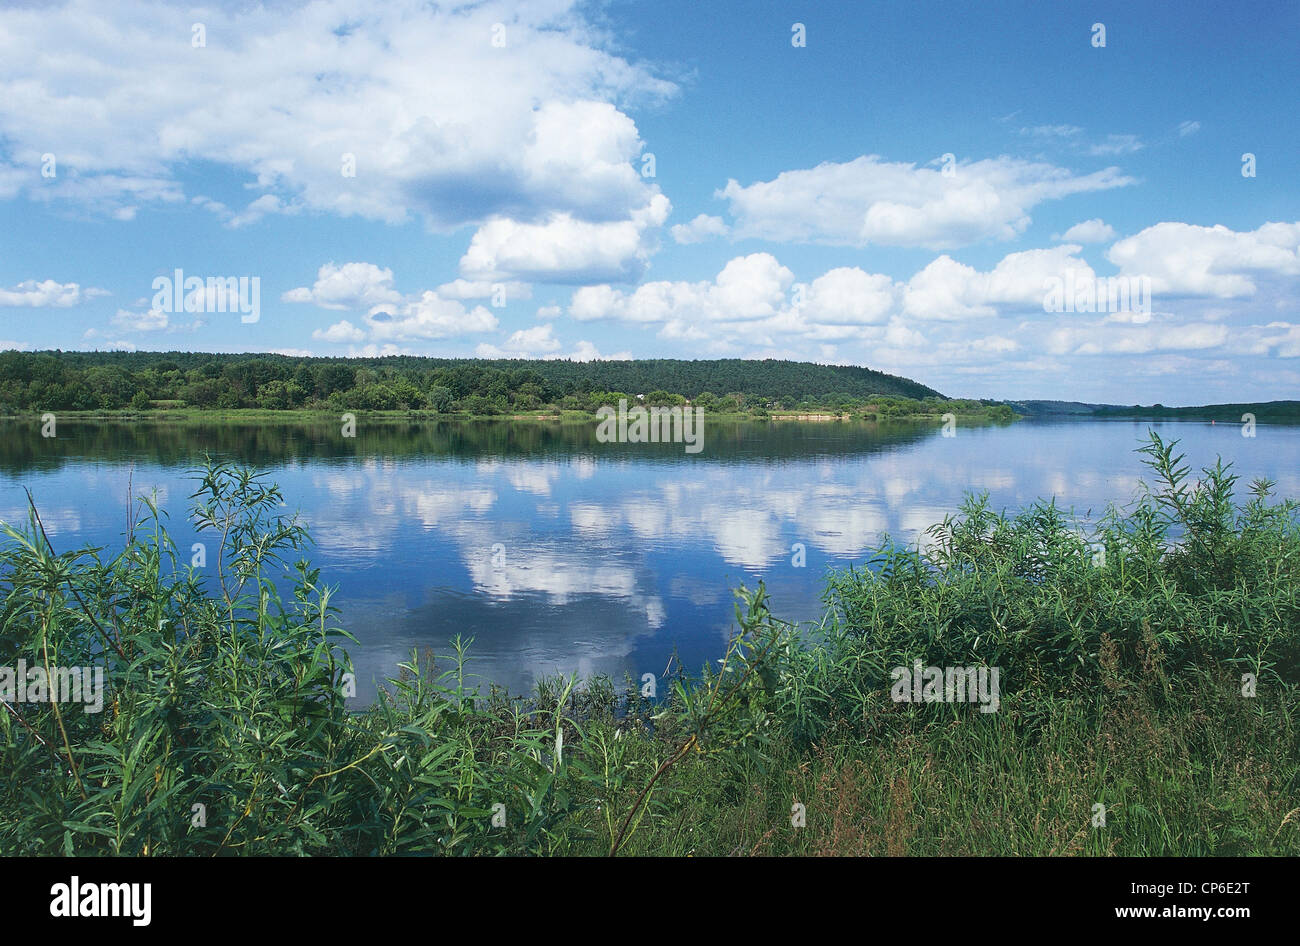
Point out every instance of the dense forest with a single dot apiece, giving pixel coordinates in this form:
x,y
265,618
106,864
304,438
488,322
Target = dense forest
x,y
140,381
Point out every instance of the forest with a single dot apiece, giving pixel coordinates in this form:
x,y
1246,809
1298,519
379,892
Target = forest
x,y
147,381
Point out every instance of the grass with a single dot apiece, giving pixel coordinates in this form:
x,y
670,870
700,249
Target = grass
x,y
1150,699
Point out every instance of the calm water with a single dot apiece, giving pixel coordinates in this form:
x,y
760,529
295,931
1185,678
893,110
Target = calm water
x,y
608,555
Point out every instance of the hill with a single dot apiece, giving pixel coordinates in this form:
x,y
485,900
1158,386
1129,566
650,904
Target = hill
x,y
1280,412
767,379
55,380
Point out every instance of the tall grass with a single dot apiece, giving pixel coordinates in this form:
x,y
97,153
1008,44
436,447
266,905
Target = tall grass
x,y
226,729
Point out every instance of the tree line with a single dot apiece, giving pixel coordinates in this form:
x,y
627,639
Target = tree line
x,y
141,381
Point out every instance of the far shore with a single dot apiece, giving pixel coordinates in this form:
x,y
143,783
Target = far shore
x,y
260,414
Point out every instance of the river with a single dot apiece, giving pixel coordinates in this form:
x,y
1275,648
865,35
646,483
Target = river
x,y
558,553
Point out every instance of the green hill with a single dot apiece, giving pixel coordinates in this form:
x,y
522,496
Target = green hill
x,y
55,380
768,379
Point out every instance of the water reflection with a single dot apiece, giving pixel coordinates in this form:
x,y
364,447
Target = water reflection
x,y
557,553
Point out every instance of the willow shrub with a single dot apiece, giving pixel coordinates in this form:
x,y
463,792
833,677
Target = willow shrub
x,y
1182,569
225,727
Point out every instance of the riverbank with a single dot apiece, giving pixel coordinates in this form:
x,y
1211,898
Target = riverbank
x,y
251,415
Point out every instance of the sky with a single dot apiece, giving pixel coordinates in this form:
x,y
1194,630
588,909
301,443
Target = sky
x,y
1085,201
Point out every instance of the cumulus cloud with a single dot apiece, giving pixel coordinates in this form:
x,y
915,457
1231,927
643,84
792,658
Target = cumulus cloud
x,y
700,229
340,333
392,317
342,107
748,287
1279,338
849,296
565,249
995,320
872,201
753,304
47,294
525,343
152,320
1186,259
350,286
428,316
1095,230
946,290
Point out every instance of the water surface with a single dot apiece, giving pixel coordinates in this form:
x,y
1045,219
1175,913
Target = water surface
x,y
558,553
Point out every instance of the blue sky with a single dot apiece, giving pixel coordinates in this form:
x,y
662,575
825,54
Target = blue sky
x,y
900,192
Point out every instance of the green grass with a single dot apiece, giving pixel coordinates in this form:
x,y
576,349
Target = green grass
x,y
1124,685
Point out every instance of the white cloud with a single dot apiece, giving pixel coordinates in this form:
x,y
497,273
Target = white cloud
x,y
700,229
848,295
870,201
1105,338
847,315
752,304
350,286
47,293
748,287
1095,230
152,320
426,317
946,290
339,333
525,343
399,86
390,316
565,249
1188,128
1281,338
1186,259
